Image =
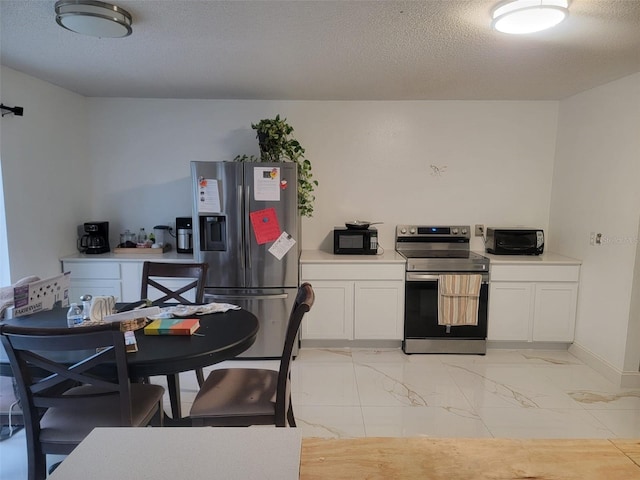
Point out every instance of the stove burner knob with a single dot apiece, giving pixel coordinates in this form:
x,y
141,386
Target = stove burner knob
x,y
403,230
454,231
464,231
413,230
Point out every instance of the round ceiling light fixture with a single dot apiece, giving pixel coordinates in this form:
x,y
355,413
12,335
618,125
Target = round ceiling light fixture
x,y
94,18
529,16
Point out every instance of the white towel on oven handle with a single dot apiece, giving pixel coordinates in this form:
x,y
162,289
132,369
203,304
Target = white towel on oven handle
x,y
458,299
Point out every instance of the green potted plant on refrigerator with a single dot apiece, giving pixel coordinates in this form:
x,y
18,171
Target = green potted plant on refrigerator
x,y
277,145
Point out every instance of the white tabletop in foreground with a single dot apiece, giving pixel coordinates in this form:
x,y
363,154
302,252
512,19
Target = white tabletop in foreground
x,y
184,453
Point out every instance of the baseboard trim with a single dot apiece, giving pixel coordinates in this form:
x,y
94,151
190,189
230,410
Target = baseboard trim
x,y
618,377
351,343
517,345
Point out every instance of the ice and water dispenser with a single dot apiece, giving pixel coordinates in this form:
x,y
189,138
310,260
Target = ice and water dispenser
x,y
213,233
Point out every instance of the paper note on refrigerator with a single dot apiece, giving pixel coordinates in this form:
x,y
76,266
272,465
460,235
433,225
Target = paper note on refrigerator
x,y
208,196
266,184
282,245
265,225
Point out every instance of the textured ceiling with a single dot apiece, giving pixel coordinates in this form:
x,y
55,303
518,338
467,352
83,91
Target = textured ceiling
x,y
325,50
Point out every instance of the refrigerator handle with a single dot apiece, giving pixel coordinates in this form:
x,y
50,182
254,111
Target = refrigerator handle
x,y
242,234
215,296
247,241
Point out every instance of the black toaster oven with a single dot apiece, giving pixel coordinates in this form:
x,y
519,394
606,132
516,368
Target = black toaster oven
x,y
515,241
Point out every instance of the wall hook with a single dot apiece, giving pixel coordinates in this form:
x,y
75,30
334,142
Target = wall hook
x,y
17,111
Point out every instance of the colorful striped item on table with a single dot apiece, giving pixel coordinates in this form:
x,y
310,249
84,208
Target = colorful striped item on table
x,y
172,326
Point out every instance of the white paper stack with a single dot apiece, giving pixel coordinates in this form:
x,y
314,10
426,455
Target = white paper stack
x,y
139,313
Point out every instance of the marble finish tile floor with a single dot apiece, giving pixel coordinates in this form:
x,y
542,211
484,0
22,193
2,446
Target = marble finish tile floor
x,y
365,392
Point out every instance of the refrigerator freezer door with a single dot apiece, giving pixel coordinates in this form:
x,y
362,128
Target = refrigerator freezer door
x,y
218,227
263,269
271,306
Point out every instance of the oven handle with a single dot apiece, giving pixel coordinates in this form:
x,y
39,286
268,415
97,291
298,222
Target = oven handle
x,y
429,277
421,277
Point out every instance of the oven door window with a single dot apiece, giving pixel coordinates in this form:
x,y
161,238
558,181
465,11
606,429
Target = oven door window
x,y
421,313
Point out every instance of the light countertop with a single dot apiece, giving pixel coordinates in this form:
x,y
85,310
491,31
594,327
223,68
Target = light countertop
x,y
241,453
391,256
170,256
320,256
186,453
547,258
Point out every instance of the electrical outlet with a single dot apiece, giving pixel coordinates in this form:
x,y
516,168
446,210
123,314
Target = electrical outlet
x,y
479,230
595,238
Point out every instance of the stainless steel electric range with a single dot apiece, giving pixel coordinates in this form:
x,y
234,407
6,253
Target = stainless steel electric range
x,y
432,251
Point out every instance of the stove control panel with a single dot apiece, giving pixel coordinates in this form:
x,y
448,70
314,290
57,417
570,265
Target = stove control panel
x,y
435,232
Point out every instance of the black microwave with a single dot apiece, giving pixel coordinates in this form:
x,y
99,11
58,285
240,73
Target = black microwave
x,y
515,241
349,241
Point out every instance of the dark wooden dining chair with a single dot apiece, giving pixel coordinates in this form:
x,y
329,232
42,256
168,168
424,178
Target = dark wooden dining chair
x,y
154,272
250,396
71,380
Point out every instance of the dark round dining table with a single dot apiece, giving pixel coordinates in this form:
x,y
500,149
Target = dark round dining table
x,y
221,336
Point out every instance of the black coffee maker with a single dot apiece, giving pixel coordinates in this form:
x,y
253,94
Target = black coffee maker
x,y
95,239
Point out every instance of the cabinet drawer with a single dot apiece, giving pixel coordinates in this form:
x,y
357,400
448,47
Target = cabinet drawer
x,y
94,288
352,271
97,270
535,273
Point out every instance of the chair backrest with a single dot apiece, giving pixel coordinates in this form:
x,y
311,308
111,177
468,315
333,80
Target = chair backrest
x,y
153,271
47,362
304,302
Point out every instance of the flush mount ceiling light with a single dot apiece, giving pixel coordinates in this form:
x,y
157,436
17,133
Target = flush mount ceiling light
x,y
528,16
90,17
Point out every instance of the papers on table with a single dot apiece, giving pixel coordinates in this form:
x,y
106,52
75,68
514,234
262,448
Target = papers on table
x,y
132,314
190,310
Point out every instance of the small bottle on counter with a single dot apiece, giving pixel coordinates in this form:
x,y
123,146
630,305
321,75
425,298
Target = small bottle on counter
x,y
86,306
142,235
74,315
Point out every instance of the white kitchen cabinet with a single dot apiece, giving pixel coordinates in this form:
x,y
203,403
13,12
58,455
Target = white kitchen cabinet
x,y
131,281
534,303
93,278
354,301
379,309
331,316
510,310
120,277
555,312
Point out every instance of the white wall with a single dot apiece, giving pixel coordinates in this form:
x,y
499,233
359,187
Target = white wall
x,y
45,171
72,159
373,159
595,189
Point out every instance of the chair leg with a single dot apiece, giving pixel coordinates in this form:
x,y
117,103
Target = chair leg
x,y
200,376
38,467
53,467
290,417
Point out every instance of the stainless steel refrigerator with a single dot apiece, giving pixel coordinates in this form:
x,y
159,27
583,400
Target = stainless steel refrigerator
x,y
246,227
